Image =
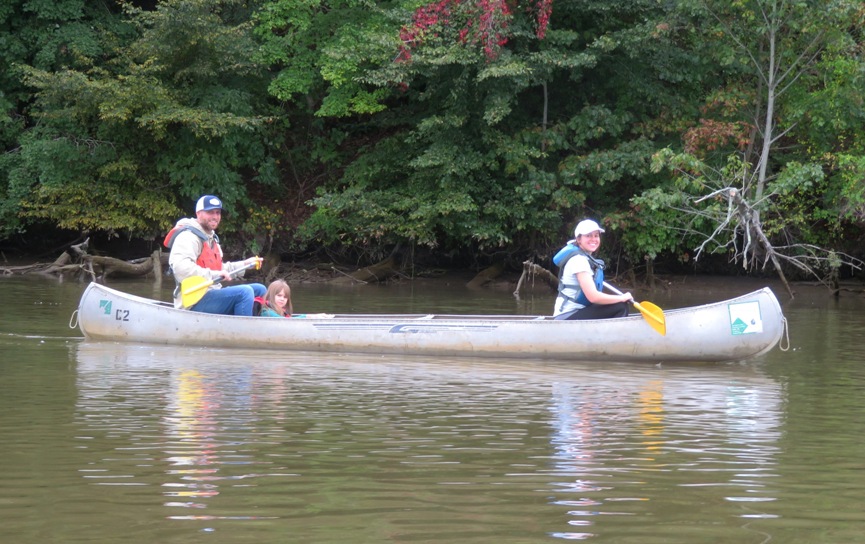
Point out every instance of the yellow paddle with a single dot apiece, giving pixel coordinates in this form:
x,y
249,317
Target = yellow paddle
x,y
653,315
192,289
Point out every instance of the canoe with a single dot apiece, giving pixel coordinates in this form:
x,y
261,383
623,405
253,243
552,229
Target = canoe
x,y
731,330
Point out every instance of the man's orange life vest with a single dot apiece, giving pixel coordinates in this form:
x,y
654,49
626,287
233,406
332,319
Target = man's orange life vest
x,y
210,256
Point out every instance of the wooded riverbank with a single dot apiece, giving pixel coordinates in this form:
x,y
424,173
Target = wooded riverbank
x,y
77,264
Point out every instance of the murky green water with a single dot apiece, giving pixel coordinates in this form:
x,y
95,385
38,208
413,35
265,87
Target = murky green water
x,y
104,442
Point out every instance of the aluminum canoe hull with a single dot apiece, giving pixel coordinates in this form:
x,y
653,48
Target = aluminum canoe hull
x,y
730,330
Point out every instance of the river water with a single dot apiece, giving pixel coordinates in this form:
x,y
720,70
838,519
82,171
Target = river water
x,y
105,442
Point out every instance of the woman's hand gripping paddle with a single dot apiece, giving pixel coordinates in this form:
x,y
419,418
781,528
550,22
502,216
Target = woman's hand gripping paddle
x,y
653,315
192,289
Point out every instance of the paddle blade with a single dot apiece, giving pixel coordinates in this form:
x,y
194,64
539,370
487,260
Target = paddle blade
x,y
654,316
192,289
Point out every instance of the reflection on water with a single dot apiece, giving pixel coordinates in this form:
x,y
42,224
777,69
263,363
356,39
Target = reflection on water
x,y
191,435
108,443
622,444
383,447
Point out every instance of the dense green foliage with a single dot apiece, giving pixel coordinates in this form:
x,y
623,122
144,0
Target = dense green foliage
x,y
165,106
468,127
498,150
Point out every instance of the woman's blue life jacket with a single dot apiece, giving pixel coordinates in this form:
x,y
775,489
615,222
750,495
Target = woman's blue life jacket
x,y
561,258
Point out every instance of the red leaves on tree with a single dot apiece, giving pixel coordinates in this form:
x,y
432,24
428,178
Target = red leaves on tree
x,y
425,20
710,135
477,22
545,9
721,125
492,21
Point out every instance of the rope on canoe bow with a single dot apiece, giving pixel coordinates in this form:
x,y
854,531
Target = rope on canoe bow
x,y
784,345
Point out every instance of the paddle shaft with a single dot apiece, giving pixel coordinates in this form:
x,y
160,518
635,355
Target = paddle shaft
x,y
193,288
653,315
208,283
233,272
634,302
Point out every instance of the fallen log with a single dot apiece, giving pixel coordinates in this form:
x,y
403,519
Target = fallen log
x,y
371,274
486,275
531,270
80,262
110,265
62,264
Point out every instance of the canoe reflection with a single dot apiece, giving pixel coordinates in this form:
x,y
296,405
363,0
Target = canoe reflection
x,y
301,431
719,430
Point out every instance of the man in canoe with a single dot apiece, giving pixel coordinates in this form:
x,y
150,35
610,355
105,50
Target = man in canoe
x,y
581,279
196,262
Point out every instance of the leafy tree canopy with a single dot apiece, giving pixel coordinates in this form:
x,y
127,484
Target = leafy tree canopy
x,y
473,127
170,106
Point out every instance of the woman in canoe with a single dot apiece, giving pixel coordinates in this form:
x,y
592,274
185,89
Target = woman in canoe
x,y
581,278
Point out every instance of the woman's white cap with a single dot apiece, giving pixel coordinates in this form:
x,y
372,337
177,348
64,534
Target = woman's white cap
x,y
586,226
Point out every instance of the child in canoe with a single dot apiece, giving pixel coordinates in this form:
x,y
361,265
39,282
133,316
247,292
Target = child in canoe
x,y
277,302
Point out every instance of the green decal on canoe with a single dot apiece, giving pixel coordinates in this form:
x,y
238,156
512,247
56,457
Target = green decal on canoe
x,y
745,318
106,306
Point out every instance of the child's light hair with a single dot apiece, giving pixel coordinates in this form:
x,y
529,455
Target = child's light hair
x,y
276,287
